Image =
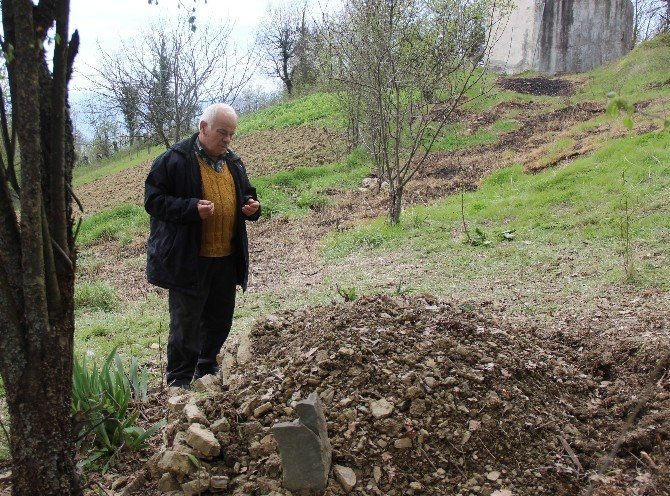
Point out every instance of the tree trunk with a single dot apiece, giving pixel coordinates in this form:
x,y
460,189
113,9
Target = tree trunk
x,y
42,443
37,260
395,204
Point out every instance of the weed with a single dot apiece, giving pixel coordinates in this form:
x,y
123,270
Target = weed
x,y
401,289
102,409
348,294
479,238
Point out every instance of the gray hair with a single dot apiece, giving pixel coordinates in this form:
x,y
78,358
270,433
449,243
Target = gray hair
x,y
210,113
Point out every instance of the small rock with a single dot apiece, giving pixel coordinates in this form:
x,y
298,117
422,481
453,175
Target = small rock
x,y
493,475
196,486
415,485
221,425
202,440
502,492
179,444
207,383
377,474
168,483
175,463
194,415
176,404
403,443
413,392
263,409
327,396
218,483
474,425
381,409
345,476
431,382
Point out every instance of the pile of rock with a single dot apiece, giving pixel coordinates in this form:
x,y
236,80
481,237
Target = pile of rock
x,y
420,397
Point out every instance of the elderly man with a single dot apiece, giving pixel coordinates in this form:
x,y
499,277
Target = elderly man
x,y
199,197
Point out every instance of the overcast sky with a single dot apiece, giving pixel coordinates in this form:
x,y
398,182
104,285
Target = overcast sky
x,y
106,23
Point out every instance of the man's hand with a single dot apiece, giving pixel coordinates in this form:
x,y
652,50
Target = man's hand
x,y
251,207
205,208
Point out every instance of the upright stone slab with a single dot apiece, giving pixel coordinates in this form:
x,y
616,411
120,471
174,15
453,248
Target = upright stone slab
x,y
304,447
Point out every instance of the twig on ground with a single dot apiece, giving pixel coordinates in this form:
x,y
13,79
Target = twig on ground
x,y
571,454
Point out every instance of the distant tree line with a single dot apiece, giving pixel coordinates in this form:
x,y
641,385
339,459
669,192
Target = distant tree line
x,y
156,85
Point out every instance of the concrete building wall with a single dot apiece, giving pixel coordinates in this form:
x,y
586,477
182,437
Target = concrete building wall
x,y
514,38
562,36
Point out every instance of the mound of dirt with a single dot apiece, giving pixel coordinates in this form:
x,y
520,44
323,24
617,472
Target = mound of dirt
x,y
480,405
538,86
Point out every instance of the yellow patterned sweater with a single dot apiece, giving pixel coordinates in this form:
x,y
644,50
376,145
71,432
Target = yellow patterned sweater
x,y
218,230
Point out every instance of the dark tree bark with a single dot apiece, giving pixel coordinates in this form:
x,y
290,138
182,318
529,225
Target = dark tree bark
x,y
37,256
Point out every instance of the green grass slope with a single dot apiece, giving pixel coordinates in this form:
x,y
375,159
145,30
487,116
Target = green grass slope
x,y
574,225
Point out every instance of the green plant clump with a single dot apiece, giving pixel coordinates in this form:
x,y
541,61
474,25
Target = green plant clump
x,y
103,409
98,295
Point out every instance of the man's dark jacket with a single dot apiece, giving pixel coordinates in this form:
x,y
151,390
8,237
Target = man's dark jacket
x,y
171,193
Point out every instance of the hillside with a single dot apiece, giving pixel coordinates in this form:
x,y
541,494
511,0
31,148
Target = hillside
x,y
534,341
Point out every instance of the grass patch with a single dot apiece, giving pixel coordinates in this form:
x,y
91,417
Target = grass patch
x,y
135,328
120,161
294,193
456,136
579,203
97,295
554,152
121,223
647,63
317,108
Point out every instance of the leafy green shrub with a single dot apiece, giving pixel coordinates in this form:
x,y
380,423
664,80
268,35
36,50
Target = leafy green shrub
x,y
97,295
103,400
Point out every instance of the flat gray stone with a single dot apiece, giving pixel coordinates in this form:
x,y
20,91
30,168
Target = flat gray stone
x,y
305,462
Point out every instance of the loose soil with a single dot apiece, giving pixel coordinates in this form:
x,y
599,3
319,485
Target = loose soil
x,y
495,400
538,86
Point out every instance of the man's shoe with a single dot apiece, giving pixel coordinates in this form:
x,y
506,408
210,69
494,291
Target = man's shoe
x,y
180,383
210,370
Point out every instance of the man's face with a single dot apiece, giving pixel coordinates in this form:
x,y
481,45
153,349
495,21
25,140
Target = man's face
x,y
216,138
